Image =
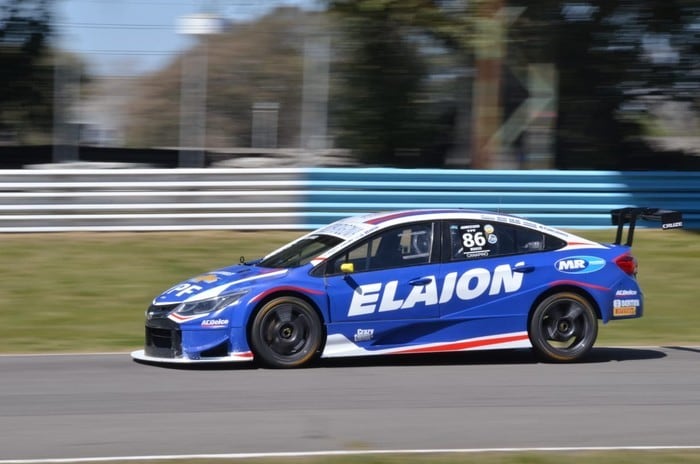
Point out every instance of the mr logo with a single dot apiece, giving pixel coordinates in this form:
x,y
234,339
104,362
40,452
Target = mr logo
x,y
579,264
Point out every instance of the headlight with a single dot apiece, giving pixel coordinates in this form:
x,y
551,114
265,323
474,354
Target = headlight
x,y
210,305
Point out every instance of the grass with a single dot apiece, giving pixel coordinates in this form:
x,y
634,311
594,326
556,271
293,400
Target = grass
x,y
578,457
88,292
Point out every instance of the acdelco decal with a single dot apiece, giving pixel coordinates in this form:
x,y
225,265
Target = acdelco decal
x,y
579,264
214,323
380,297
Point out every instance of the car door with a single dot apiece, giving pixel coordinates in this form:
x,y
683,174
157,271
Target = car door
x,y
491,269
393,276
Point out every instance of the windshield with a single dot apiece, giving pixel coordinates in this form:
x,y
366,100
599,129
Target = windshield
x,y
300,252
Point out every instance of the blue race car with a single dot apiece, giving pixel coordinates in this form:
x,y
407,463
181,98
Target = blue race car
x,y
418,281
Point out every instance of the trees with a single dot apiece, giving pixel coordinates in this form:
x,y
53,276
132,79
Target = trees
x,y
613,60
413,79
391,103
25,69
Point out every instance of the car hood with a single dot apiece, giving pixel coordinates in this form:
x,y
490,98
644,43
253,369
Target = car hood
x,y
216,283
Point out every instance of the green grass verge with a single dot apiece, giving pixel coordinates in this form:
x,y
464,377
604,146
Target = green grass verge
x,y
578,457
88,292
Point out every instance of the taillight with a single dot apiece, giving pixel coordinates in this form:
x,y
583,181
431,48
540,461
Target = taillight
x,y
627,263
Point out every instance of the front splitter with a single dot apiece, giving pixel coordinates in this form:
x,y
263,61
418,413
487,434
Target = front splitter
x,y
140,355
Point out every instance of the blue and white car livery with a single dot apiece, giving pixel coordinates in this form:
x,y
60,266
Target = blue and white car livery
x,y
406,282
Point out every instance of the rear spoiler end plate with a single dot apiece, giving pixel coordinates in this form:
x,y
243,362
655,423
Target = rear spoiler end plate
x,y
669,220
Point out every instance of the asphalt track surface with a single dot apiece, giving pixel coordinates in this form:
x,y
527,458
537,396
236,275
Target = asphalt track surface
x,y
76,406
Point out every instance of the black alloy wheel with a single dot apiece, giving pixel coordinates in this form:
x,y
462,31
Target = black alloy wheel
x,y
563,327
286,332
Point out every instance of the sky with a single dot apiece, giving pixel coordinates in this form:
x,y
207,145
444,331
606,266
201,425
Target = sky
x,y
133,37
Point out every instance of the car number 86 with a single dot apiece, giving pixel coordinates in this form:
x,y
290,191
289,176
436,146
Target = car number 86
x,y
470,240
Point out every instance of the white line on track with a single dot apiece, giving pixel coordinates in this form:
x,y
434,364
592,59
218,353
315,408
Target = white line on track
x,y
294,454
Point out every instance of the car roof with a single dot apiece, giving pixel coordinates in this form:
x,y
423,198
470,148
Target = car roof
x,y
354,227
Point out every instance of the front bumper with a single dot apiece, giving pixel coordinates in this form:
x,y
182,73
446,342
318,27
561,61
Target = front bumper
x,y
167,341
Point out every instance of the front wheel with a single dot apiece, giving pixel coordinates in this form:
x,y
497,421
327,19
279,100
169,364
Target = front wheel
x,y
563,327
286,332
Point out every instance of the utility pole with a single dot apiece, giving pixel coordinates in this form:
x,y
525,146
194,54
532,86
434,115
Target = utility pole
x,y
66,95
193,89
314,106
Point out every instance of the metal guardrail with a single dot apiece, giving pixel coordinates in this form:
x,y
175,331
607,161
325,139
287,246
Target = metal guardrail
x,y
255,199
150,199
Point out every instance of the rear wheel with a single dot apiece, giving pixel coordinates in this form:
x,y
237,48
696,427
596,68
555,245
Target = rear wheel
x,y
286,332
563,327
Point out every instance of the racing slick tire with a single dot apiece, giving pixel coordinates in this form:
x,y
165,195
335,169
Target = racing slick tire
x,y
286,332
563,327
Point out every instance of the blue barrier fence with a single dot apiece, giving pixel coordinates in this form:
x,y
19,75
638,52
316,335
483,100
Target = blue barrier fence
x,y
573,199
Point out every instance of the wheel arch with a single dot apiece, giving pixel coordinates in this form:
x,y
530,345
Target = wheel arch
x,y
576,337
286,293
564,288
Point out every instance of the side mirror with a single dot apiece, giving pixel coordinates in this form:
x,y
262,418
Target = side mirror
x,y
347,268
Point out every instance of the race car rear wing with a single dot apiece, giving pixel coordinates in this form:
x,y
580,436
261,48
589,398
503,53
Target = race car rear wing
x,y
669,220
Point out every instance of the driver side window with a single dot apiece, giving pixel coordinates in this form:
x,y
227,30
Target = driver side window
x,y
401,246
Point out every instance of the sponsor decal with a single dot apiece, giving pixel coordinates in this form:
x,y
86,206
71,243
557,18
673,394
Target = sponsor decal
x,y
382,297
208,278
363,335
626,293
477,254
211,277
579,264
622,303
626,307
183,289
214,322
672,225
618,312
341,229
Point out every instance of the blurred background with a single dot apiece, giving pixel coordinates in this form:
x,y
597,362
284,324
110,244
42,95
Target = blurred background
x,y
481,84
